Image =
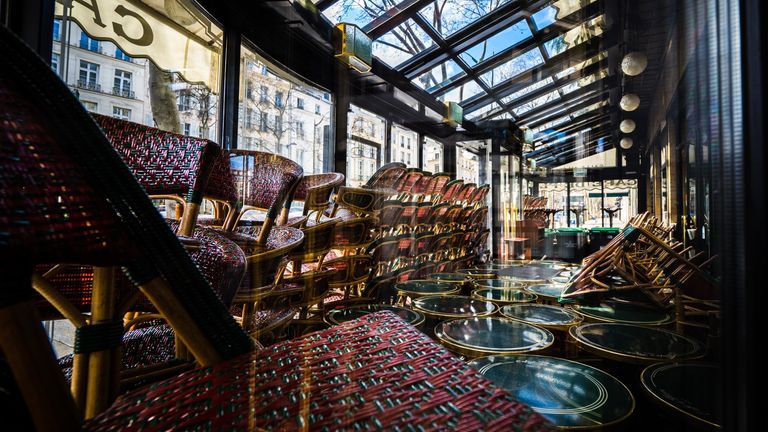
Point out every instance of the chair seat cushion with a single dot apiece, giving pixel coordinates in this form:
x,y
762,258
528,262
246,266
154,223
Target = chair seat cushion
x,y
141,347
376,372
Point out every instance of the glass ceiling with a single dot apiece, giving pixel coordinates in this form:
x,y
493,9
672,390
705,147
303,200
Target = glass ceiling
x,y
497,59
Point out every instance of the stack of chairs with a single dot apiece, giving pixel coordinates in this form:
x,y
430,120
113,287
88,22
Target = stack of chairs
x,y
68,197
534,208
644,257
426,223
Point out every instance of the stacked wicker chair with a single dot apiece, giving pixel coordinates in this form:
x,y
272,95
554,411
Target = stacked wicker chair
x,y
68,197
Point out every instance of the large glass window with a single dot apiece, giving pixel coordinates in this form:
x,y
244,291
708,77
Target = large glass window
x,y
272,114
468,165
433,156
161,69
366,135
403,146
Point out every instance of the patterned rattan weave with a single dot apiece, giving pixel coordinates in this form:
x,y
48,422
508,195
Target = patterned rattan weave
x,y
376,372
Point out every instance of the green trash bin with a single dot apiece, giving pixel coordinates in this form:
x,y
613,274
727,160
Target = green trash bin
x,y
600,236
572,244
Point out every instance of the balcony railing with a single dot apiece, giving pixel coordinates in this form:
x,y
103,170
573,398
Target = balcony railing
x,y
117,91
89,85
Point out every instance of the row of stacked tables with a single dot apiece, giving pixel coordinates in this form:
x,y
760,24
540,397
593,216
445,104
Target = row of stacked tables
x,y
505,320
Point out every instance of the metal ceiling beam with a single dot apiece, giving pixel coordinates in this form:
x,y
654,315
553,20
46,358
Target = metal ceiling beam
x,y
569,142
324,4
388,21
550,68
555,85
551,107
583,101
595,121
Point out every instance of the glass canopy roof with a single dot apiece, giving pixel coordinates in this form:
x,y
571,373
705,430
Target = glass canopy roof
x,y
540,63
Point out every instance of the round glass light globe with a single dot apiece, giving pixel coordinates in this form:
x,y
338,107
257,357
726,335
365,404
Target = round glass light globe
x,y
626,143
634,63
629,102
627,126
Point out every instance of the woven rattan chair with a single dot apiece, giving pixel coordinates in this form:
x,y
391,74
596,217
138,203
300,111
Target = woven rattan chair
x,y
450,189
386,176
68,197
314,192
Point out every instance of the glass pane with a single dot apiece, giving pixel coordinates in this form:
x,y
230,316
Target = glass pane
x,y
433,156
557,11
549,125
401,43
357,12
439,76
405,146
462,92
514,67
581,65
575,36
539,101
366,138
497,43
482,111
584,81
453,15
468,166
277,115
521,93
174,85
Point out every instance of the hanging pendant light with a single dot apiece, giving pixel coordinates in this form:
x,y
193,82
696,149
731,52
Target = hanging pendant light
x,y
626,143
629,102
627,126
634,63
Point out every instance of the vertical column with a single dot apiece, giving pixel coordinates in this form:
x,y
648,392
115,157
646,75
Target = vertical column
x,y
387,141
483,167
568,203
340,114
497,208
449,160
229,89
602,202
420,141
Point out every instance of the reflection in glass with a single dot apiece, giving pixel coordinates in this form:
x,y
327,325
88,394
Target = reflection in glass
x,y
401,43
514,67
453,15
501,41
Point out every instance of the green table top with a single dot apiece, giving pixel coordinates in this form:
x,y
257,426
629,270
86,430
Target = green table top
x,y
569,394
635,344
690,389
503,295
416,288
492,335
497,283
449,277
338,316
553,317
625,312
548,291
453,306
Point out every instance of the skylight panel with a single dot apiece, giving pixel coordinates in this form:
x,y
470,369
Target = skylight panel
x,y
575,36
454,15
514,67
501,41
401,43
439,77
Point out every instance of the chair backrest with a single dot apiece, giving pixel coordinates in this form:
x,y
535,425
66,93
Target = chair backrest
x,y
480,194
409,180
164,163
450,189
67,196
386,176
315,190
437,183
465,192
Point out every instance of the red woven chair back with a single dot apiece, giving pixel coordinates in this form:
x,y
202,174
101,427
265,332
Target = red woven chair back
x,y
163,162
480,194
386,176
409,180
315,190
450,189
423,184
465,192
437,183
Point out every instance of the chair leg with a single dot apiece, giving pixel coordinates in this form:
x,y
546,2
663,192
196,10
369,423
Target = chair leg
x,y
101,376
158,292
28,352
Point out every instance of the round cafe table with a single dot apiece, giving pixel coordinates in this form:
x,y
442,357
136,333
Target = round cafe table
x,y
625,312
547,293
497,283
635,344
340,315
549,317
420,288
439,308
474,337
503,296
690,390
569,394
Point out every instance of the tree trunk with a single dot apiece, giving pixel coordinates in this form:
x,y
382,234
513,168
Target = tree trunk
x,y
163,100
